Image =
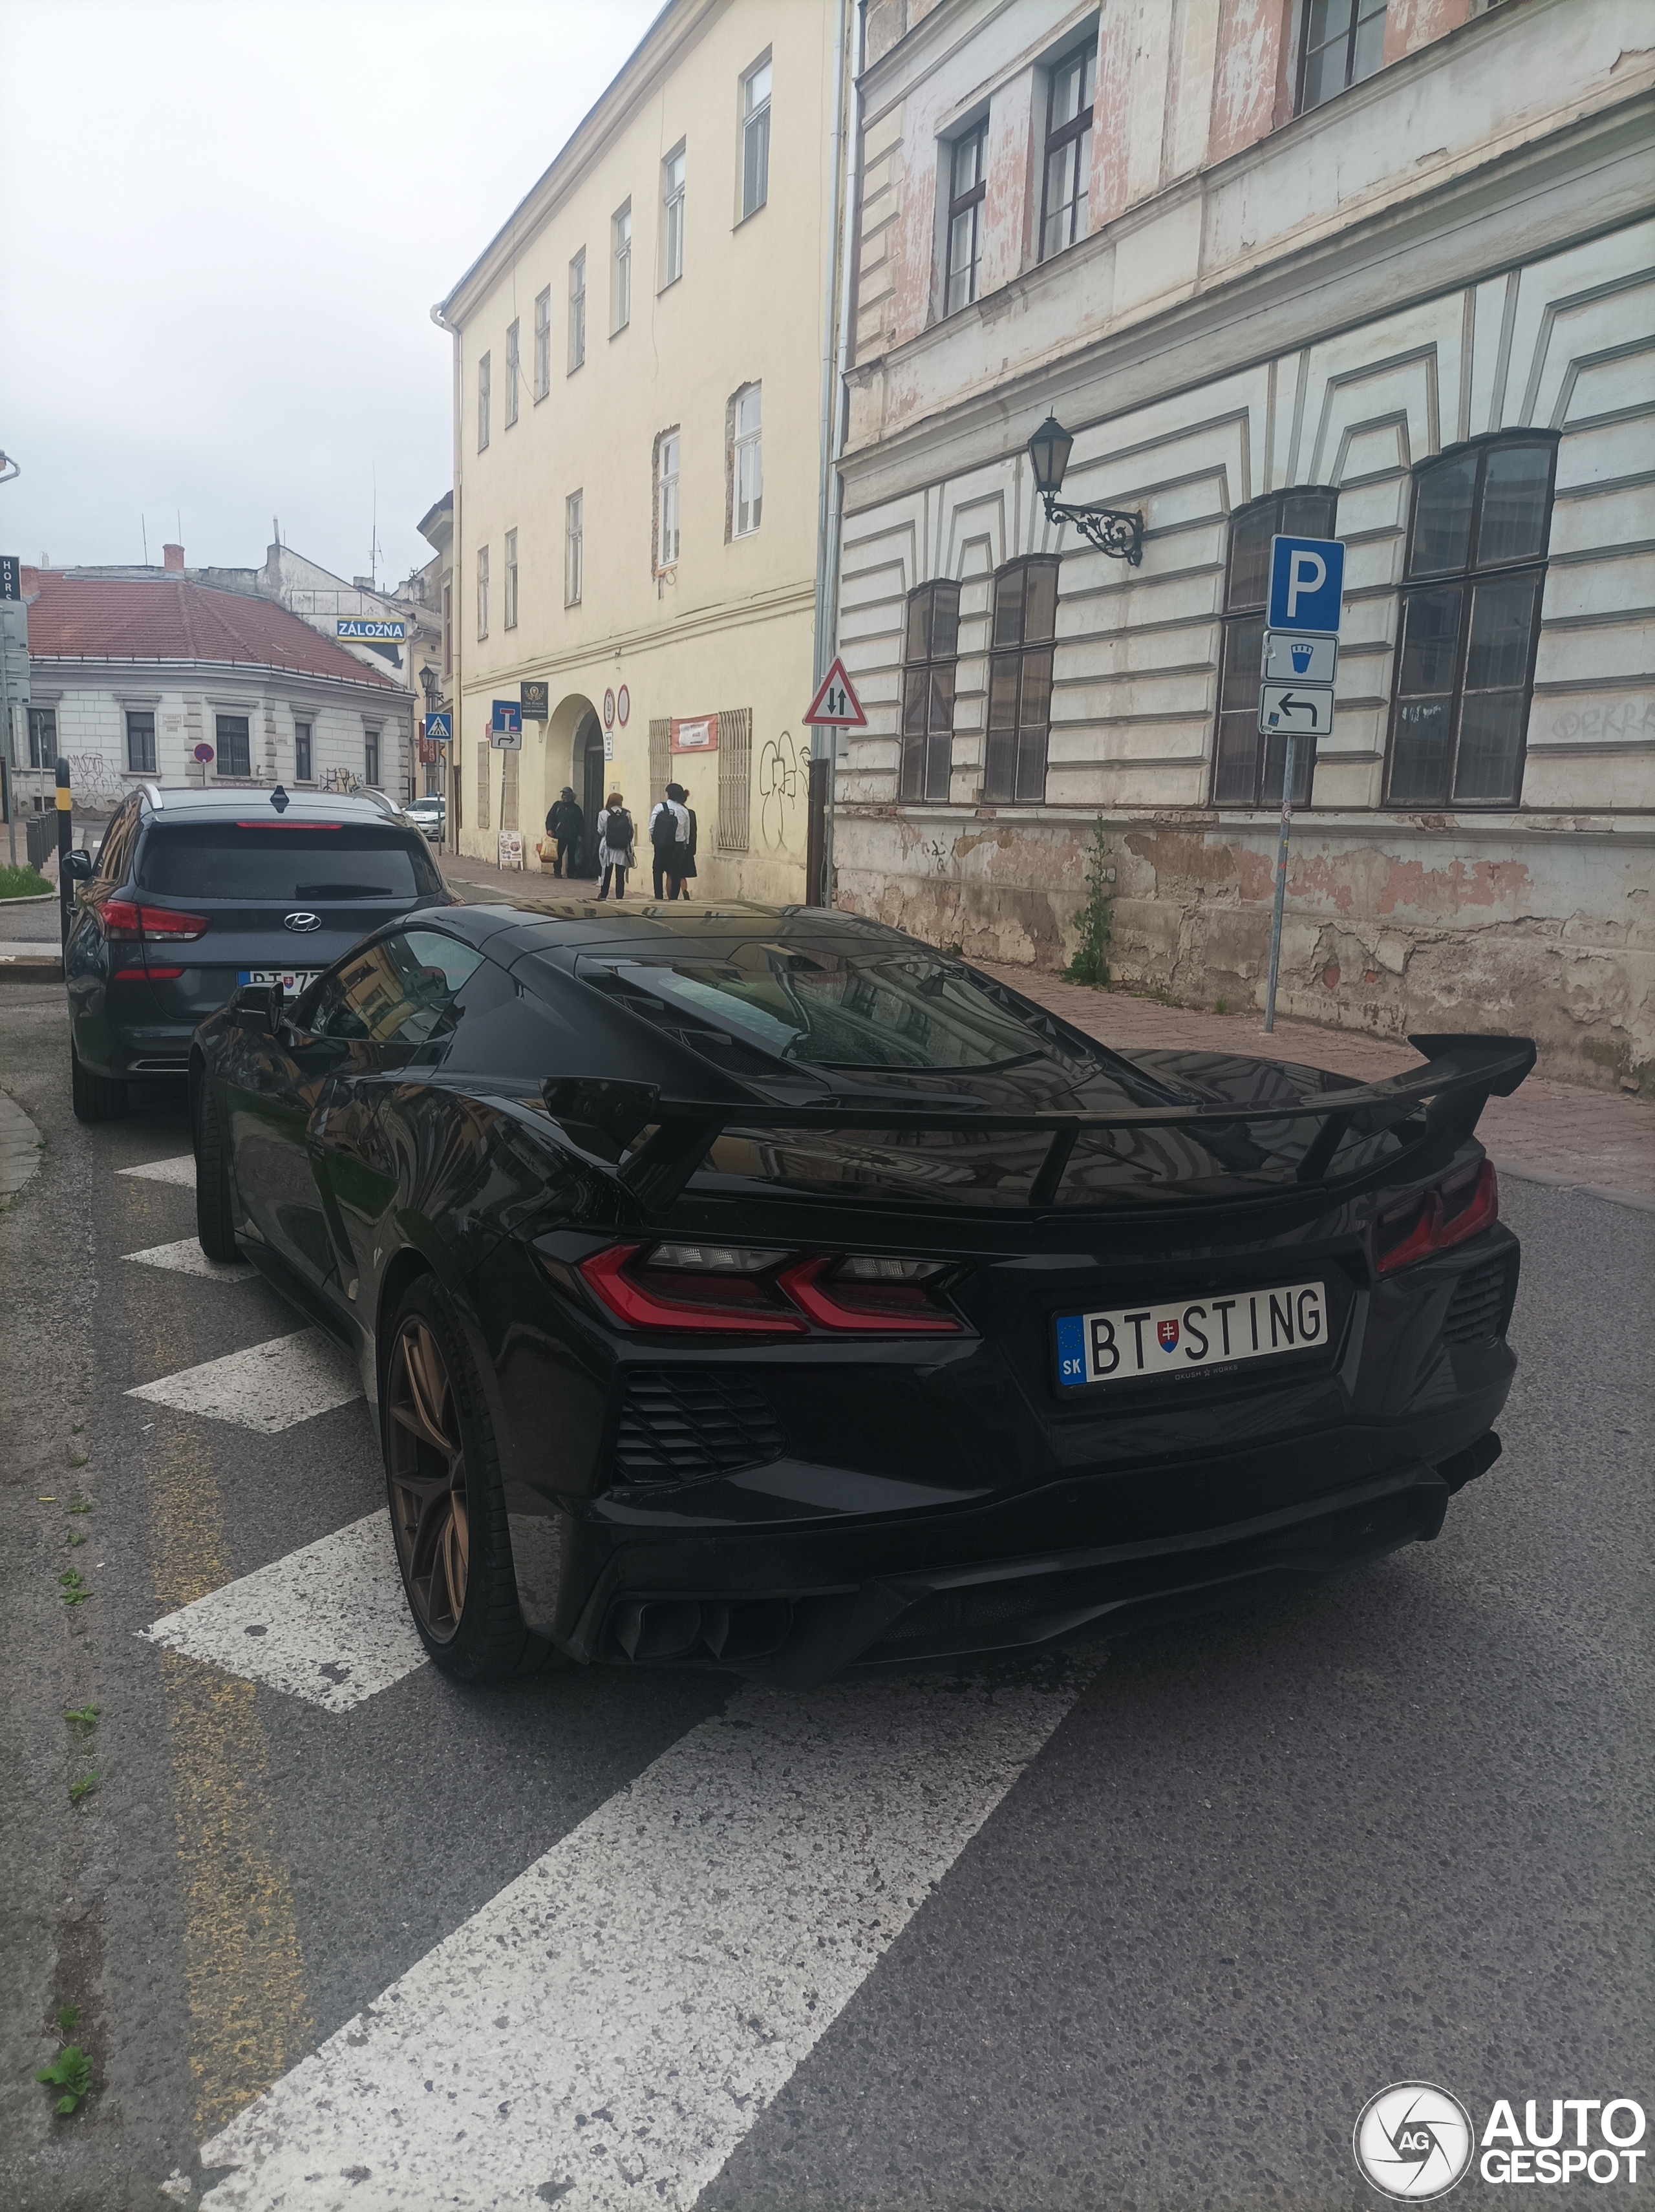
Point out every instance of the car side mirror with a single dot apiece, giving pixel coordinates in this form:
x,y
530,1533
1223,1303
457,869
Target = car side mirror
x,y
253,1005
79,866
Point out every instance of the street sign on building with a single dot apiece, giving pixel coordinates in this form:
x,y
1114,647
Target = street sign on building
x,y
835,706
698,734
535,702
1307,583
1305,709
359,626
11,576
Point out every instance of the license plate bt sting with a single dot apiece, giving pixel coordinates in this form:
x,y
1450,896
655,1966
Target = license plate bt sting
x,y
1132,1342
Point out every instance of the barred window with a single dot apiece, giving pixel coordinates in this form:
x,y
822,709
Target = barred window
x,y
1471,622
1019,679
735,778
930,657
1246,771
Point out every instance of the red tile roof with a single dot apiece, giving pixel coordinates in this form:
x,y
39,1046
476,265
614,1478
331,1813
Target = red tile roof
x,y
167,617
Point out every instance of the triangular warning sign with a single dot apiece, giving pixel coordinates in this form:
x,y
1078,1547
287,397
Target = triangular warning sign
x,y
835,706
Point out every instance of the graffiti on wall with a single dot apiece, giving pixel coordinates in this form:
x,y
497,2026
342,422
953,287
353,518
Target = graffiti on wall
x,y
92,779
779,778
1627,720
340,780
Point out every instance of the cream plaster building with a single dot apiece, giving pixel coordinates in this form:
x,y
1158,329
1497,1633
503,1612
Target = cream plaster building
x,y
640,417
1380,271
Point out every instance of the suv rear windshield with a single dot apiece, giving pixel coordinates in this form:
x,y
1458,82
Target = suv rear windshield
x,y
312,861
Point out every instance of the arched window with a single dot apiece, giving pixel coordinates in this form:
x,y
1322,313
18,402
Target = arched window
x,y
1246,771
930,653
1019,679
1470,623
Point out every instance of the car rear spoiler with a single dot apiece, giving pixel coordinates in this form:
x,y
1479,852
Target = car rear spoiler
x,y
604,1116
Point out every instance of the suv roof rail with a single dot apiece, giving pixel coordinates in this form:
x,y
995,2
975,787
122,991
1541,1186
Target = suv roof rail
x,y
156,796
380,800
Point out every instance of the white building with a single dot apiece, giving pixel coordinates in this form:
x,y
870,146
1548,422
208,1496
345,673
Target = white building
x,y
1395,286
140,674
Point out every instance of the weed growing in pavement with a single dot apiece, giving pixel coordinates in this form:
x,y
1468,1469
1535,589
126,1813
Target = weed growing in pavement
x,y
71,2072
74,1588
1221,1006
67,2019
79,1789
79,1506
81,1461
85,1716
75,1536
1093,919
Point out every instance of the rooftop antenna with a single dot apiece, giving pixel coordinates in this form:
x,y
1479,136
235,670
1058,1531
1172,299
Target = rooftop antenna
x,y
144,527
374,534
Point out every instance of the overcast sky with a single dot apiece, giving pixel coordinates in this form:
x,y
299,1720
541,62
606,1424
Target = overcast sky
x,y
225,223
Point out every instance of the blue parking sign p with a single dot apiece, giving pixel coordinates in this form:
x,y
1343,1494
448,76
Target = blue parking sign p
x,y
1307,583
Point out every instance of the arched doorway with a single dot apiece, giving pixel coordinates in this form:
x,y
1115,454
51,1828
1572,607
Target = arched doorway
x,y
587,756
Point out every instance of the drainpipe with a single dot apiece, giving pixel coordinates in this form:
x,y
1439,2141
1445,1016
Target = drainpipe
x,y
456,759
823,742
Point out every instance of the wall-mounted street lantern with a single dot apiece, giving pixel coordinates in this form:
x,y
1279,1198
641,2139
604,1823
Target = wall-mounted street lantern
x,y
1112,529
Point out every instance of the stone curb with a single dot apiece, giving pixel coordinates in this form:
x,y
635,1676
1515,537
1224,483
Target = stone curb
x,y
20,1148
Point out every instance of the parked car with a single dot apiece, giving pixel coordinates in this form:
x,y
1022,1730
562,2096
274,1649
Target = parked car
x,y
195,892
760,1289
429,815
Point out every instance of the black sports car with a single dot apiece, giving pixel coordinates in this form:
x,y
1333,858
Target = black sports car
x,y
761,1289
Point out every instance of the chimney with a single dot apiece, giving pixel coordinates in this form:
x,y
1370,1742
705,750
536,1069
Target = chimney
x,y
172,556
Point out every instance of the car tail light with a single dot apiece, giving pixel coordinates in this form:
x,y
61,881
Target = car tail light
x,y
867,1296
747,1289
162,925
124,921
670,1289
1437,1219
118,919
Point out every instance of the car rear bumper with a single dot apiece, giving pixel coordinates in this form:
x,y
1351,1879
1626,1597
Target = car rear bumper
x,y
794,1609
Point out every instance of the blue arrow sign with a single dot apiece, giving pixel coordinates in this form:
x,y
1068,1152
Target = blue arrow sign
x,y
1307,583
439,728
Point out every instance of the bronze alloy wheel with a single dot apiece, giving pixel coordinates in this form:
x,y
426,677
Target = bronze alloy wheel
x,y
426,1455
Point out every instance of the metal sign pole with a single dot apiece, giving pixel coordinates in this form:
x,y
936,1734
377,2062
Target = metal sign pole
x,y
1281,877
7,739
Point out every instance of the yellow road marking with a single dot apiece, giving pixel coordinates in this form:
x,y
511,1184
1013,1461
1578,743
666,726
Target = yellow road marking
x,y
249,2006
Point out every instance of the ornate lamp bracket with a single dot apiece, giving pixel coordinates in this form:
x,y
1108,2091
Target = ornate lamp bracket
x,y
1114,531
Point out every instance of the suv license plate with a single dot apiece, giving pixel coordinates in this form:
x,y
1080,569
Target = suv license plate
x,y
291,979
1134,1341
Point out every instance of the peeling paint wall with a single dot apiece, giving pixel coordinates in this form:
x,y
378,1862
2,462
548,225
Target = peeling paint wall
x,y
1267,302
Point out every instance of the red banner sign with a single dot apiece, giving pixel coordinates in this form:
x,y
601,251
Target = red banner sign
x,y
696,736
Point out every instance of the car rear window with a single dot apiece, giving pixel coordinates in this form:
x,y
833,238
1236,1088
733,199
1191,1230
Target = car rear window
x,y
309,860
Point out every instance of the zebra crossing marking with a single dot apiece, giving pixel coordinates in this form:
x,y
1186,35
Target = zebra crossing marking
x,y
267,1386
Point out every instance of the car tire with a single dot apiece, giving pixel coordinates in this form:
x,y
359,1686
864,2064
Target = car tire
x,y
447,1501
94,1097
214,1220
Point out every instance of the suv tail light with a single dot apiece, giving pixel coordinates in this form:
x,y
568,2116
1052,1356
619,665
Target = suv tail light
x,y
124,921
739,1290
1437,1219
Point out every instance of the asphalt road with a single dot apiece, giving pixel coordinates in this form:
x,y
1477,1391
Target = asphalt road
x,y
1143,1926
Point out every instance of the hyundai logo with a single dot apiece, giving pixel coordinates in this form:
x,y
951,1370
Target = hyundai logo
x,y
301,921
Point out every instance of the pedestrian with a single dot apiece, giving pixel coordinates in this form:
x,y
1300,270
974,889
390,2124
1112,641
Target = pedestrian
x,y
669,835
566,822
687,858
614,845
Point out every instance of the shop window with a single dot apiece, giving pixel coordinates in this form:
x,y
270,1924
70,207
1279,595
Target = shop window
x,y
1246,771
1470,621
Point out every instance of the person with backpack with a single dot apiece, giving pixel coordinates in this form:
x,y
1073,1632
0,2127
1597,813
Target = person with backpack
x,y
566,822
687,856
614,854
669,841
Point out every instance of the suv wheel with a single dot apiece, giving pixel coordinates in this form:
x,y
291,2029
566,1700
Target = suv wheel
x,y
215,1222
94,1097
447,1506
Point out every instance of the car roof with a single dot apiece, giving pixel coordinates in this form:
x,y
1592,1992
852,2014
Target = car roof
x,y
190,803
564,928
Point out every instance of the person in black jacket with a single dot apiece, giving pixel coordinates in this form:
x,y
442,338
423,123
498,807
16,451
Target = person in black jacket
x,y
567,822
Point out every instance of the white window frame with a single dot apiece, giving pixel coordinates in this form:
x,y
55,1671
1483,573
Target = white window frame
x,y
373,765
668,535
513,374
577,311
672,216
620,269
509,612
304,760
483,378
747,462
482,592
574,548
753,116
542,345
